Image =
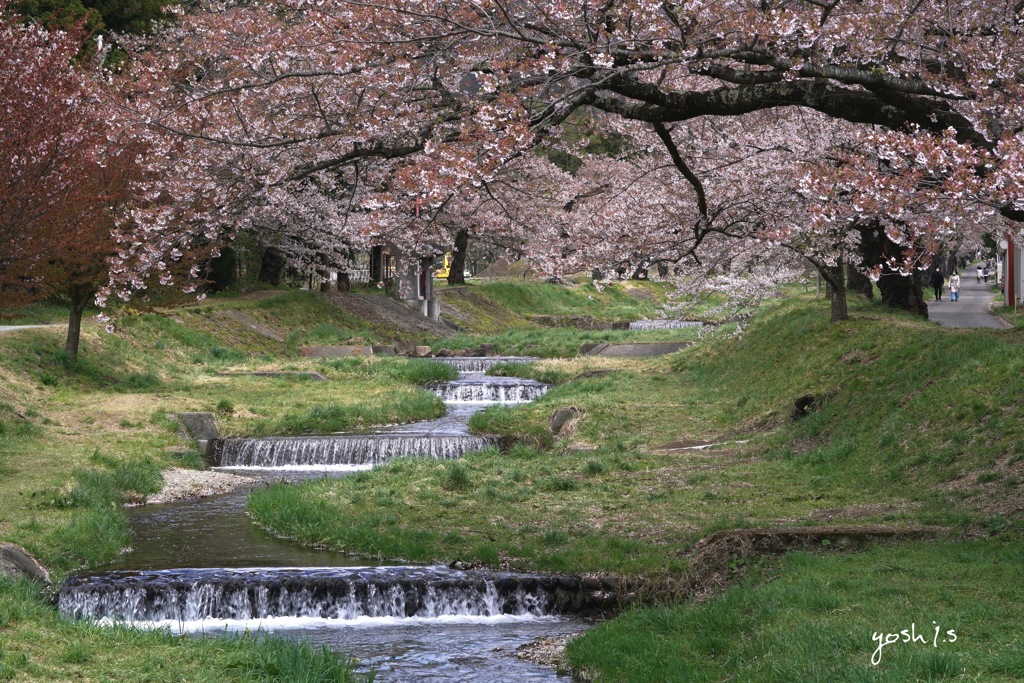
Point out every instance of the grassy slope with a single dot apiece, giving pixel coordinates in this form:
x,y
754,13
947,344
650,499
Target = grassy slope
x,y
814,617
917,425
920,425
55,416
77,439
504,314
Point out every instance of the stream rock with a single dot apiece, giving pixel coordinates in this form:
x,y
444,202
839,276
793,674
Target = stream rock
x,y
16,563
563,420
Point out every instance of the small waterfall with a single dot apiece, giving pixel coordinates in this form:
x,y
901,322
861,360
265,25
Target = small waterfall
x,y
444,438
345,594
490,390
481,363
663,324
365,449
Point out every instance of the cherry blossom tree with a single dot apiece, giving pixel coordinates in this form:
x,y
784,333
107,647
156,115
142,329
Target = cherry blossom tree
x,y
338,117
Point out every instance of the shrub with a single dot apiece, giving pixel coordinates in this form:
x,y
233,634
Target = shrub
x,y
455,477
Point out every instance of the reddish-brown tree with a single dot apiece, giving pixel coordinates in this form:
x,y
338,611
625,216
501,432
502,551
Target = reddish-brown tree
x,y
62,187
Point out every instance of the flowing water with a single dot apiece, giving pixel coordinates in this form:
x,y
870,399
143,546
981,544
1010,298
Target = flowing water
x,y
201,566
471,364
663,324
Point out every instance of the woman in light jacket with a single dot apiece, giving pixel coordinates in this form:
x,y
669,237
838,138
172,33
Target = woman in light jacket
x,y
954,287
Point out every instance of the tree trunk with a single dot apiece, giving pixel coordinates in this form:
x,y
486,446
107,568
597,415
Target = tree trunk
x,y
859,283
898,290
457,266
376,264
79,300
840,312
836,283
904,292
272,267
328,284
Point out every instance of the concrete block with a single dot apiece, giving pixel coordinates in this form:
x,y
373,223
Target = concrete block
x,y
199,426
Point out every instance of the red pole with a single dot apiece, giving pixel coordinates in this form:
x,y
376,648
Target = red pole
x,y
1010,277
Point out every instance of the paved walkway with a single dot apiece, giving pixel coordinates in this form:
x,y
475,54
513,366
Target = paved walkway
x,y
974,307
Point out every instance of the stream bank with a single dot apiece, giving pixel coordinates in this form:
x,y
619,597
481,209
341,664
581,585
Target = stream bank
x,y
200,565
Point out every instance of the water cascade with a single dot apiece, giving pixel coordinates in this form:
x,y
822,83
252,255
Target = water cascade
x,y
476,364
444,438
359,451
663,324
191,596
473,614
490,390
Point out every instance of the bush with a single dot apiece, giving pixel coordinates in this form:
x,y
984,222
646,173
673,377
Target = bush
x,y
455,477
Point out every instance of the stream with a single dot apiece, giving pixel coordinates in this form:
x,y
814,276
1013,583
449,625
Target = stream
x,y
200,566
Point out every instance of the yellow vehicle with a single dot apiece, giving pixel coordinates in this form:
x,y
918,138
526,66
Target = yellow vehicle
x,y
442,266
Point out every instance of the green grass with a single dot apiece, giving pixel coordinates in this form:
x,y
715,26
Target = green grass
x,y
403,406
36,645
305,317
561,342
899,438
98,531
485,310
915,424
814,617
38,314
411,371
625,301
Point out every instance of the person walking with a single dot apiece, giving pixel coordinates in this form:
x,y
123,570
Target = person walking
x,y
954,287
936,282
979,273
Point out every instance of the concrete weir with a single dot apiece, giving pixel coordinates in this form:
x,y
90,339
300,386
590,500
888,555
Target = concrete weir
x,y
363,449
484,389
327,593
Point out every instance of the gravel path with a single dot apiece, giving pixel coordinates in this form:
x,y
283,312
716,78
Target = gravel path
x,y
182,484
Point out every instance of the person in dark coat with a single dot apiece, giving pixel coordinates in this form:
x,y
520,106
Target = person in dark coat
x,y
937,282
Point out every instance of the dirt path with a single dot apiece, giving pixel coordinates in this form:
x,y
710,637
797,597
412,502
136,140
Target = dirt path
x,y
15,328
